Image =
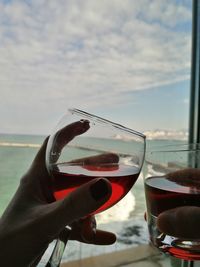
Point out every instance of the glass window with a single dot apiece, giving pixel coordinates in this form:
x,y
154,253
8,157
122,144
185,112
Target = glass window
x,y
128,61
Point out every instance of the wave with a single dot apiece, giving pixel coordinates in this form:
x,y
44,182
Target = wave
x,y
119,212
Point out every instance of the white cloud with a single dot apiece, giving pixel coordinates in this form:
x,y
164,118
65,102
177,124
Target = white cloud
x,y
59,53
167,12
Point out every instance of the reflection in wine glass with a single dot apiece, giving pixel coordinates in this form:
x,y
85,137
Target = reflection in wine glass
x,y
83,147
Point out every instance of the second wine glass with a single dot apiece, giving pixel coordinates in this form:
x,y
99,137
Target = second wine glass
x,y
173,181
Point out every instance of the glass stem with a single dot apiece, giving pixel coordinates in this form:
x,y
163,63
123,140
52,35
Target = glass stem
x,y
59,248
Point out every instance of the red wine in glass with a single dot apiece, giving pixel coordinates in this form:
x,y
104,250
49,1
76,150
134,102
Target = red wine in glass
x,y
68,177
163,193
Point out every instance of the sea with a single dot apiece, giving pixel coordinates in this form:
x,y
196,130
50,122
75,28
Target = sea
x,y
125,219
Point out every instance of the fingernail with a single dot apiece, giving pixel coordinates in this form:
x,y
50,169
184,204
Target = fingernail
x,y
85,125
99,189
84,122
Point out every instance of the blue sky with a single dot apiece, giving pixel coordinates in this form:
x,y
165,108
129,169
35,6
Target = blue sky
x,y
117,59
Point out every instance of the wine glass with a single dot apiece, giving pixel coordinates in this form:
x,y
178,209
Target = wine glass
x,y
101,148
172,180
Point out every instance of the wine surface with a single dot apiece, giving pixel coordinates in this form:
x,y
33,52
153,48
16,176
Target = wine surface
x,y
69,177
163,193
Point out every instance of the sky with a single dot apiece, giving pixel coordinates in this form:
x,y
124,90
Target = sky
x,y
128,61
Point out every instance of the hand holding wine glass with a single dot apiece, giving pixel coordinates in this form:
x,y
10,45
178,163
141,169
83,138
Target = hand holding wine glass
x,y
28,224
172,188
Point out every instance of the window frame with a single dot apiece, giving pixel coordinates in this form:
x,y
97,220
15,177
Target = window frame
x,y
194,117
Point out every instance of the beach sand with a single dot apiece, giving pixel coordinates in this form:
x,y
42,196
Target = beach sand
x,y
141,256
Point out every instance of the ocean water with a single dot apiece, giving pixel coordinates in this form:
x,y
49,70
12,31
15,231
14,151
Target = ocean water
x,y
126,218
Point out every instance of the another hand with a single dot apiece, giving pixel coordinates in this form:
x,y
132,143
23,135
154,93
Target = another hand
x,y
182,222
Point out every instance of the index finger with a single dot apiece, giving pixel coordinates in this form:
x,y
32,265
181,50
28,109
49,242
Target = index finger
x,y
38,167
65,135
62,137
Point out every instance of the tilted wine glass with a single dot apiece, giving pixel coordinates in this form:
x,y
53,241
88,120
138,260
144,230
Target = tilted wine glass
x,y
99,148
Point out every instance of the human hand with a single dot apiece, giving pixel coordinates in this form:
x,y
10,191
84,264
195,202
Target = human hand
x,y
182,222
32,220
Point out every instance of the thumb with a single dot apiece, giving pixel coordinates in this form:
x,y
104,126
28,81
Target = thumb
x,y
181,222
80,203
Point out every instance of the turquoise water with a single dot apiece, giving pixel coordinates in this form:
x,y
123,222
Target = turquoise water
x,y
14,162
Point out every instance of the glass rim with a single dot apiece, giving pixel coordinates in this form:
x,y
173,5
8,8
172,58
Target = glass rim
x,y
102,120
186,147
